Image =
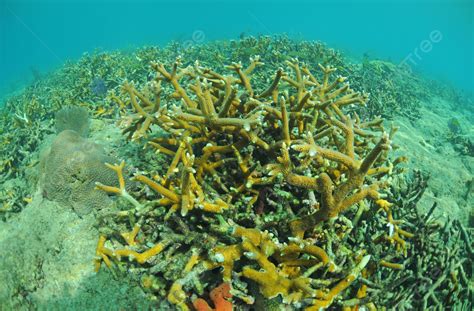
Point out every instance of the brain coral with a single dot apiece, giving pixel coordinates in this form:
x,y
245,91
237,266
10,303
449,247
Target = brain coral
x,y
70,169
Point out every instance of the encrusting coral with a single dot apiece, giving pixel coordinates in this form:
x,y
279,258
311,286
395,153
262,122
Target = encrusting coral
x,y
228,138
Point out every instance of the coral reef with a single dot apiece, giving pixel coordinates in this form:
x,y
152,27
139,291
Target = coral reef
x,y
232,138
26,118
70,169
266,181
393,90
98,87
437,271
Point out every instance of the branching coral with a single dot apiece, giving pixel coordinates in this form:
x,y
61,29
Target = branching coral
x,y
228,137
255,175
291,278
105,254
432,263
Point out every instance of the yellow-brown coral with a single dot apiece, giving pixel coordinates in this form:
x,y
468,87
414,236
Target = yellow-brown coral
x,y
227,138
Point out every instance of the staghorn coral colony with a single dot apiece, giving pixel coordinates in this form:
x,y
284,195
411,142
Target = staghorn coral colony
x,y
227,141
260,183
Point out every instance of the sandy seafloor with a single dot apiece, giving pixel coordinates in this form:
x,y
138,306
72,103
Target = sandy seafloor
x,y
425,143
47,251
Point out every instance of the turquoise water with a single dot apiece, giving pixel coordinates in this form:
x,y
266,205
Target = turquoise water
x,y
178,155
434,37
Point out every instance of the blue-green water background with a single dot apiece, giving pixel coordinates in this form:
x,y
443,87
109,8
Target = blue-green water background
x,y
37,36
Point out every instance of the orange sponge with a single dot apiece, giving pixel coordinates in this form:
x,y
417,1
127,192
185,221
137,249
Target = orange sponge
x,y
219,296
